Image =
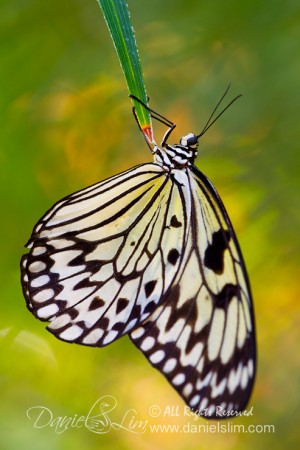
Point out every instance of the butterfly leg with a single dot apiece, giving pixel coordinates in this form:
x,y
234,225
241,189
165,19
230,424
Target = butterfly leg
x,y
137,121
159,118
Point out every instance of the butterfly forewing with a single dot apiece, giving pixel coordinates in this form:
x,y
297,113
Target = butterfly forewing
x,y
202,335
101,260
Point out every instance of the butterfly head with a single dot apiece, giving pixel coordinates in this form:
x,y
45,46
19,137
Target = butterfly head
x,y
190,141
178,155
188,146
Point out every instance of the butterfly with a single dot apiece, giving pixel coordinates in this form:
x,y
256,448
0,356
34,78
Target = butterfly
x,y
151,253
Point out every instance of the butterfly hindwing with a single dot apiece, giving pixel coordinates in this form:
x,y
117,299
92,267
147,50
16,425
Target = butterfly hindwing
x,y
201,337
101,259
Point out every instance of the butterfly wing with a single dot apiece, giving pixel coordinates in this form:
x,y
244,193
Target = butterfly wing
x,y
202,337
101,259
155,253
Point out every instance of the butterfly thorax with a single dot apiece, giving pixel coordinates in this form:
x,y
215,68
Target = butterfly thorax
x,y
179,155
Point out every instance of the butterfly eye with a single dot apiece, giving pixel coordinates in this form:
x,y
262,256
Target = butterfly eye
x,y
192,141
189,140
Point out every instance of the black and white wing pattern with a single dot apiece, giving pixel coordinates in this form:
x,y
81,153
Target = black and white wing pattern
x,y
151,253
101,260
202,335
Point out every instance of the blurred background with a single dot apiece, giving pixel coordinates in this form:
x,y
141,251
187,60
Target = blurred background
x,y
66,122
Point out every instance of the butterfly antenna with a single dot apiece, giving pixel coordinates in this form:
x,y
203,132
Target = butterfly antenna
x,y
209,123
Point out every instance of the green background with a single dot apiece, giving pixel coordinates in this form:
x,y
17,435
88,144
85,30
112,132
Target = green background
x,y
66,122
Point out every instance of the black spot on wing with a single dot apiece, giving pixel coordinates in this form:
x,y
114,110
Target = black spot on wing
x,y
73,313
226,294
173,298
149,287
150,307
173,255
84,283
118,326
214,253
175,222
122,303
96,303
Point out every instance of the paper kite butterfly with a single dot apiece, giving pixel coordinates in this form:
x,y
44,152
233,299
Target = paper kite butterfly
x,y
151,253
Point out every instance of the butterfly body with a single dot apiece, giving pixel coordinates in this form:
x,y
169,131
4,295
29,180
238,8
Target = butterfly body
x,y
179,155
151,253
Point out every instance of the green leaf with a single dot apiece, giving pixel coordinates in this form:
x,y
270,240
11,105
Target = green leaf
x,y
117,17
